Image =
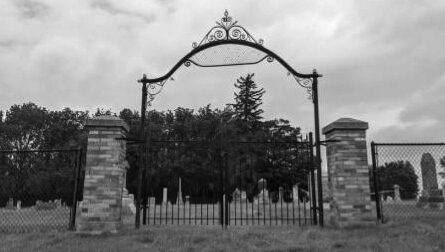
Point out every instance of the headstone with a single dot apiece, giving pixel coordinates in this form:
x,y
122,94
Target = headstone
x,y
19,204
262,184
164,196
128,206
151,201
295,193
431,196
187,199
397,193
236,195
179,199
280,194
243,196
263,195
10,204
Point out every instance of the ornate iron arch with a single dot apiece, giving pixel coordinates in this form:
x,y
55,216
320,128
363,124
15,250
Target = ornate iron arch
x,y
228,34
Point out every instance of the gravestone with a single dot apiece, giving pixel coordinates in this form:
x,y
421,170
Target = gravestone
x,y
187,199
431,196
397,193
295,193
236,195
263,196
58,203
262,184
128,206
280,193
19,204
151,201
164,196
10,204
179,200
243,196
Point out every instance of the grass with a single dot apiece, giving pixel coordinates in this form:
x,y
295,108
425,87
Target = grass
x,y
415,235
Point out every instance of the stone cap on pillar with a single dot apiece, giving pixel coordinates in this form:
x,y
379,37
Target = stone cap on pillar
x,y
107,121
345,124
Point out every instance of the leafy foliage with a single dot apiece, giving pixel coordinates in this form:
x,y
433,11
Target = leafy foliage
x,y
398,173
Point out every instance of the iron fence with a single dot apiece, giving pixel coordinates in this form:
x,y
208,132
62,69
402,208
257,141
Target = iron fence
x,y
39,189
231,183
409,178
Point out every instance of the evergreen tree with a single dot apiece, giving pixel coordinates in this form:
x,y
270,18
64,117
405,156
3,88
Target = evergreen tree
x,y
247,101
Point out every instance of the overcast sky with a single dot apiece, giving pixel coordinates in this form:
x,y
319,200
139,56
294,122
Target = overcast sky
x,y
382,61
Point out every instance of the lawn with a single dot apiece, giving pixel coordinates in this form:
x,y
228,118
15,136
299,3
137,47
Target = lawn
x,y
415,235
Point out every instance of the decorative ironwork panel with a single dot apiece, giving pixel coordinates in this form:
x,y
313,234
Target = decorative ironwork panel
x,y
228,55
227,29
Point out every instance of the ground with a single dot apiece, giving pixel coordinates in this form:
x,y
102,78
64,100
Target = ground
x,y
413,235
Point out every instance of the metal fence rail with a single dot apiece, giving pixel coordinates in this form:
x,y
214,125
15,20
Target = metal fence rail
x,y
229,183
409,178
39,189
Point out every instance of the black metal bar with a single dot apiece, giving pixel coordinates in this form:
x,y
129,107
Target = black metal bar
x,y
148,217
179,199
207,205
141,152
190,208
224,42
226,183
375,182
408,144
200,203
312,177
304,211
317,147
293,209
144,198
154,211
77,170
299,212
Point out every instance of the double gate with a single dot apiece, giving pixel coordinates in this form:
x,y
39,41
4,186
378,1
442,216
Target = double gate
x,y
229,183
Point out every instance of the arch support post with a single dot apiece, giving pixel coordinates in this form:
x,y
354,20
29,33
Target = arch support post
x,y
317,148
142,148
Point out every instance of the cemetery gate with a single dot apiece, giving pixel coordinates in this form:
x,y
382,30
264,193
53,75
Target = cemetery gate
x,y
268,182
410,179
229,44
40,189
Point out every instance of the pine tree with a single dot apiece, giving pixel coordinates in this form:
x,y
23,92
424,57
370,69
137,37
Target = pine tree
x,y
247,101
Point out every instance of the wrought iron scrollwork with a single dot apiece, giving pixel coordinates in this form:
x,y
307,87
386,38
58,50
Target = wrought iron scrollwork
x,y
305,83
227,29
154,89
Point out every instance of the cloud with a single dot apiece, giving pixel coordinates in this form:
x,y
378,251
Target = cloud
x,y
31,9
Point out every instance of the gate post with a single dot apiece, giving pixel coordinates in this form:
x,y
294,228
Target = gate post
x,y
101,209
348,172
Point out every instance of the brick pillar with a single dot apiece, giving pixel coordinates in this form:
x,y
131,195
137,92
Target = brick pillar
x,y
348,172
101,209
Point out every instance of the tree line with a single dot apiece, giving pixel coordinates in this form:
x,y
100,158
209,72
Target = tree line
x,y
45,176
